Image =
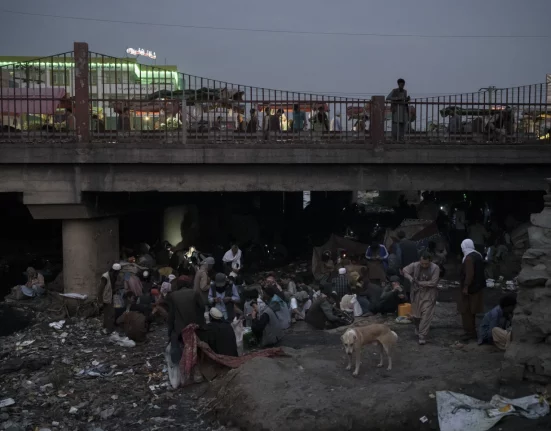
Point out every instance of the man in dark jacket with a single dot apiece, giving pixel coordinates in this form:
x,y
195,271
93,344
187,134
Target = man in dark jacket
x,y
220,335
185,306
408,252
321,314
268,326
473,281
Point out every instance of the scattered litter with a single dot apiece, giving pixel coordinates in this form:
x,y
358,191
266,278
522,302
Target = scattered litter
x,y
57,325
458,412
95,363
21,344
402,319
55,424
103,370
114,397
7,402
432,396
123,342
73,411
64,335
46,387
424,419
107,413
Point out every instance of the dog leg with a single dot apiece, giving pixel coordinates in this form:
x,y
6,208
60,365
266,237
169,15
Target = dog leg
x,y
349,367
381,350
358,352
387,351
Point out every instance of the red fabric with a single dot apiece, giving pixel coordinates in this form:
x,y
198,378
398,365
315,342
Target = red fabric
x,y
189,356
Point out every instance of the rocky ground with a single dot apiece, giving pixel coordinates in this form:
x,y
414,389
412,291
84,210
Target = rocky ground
x,y
73,378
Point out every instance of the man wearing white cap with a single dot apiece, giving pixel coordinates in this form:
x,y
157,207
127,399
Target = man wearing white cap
x,y
220,335
341,284
106,290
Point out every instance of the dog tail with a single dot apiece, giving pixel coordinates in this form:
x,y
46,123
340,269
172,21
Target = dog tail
x,y
395,335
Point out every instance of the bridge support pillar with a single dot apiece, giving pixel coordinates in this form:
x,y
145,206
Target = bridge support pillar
x,y
90,247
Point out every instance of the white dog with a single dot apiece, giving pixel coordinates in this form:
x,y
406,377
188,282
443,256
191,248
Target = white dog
x,y
355,338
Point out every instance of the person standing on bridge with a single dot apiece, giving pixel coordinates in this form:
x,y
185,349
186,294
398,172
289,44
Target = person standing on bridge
x,y
299,119
252,125
400,110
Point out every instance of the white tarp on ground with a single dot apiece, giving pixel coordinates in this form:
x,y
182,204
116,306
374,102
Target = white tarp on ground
x,y
458,412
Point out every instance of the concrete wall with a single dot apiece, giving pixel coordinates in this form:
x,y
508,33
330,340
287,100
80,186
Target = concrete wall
x,y
90,247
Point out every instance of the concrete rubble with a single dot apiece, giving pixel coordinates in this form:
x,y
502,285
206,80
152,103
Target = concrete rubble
x,y
529,354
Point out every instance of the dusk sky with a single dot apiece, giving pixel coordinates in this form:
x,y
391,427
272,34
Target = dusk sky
x,y
329,64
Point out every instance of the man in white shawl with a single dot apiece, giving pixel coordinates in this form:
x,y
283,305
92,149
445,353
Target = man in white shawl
x,y
232,260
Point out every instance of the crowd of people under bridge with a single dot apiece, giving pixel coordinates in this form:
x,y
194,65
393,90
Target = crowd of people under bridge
x,y
133,297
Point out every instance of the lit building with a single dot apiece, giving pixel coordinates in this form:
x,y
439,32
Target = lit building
x,y
110,78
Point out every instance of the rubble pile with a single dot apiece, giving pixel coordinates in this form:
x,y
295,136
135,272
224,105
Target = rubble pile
x,y
529,355
67,375
513,261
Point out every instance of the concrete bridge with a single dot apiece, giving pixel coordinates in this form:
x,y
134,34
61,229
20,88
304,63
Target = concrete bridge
x,y
185,136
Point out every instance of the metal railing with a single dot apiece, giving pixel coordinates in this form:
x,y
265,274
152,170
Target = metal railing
x,y
36,100
159,103
510,115
111,99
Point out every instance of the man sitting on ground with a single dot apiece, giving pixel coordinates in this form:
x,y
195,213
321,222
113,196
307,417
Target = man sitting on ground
x,y
268,326
495,327
300,304
321,314
135,324
391,297
220,335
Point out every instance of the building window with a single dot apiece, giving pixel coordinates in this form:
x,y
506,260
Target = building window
x,y
116,77
94,99
60,78
93,77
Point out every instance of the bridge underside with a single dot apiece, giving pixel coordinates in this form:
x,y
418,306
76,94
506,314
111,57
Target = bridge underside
x,y
68,181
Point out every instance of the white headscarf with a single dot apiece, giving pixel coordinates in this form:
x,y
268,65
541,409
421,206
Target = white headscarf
x,y
467,247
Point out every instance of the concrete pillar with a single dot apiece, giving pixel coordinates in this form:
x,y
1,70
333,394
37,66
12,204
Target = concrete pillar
x,y
377,120
90,247
82,92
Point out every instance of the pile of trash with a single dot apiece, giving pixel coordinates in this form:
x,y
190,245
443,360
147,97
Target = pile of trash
x,y
69,375
500,283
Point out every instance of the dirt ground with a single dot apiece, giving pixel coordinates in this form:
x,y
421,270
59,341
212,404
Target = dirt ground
x,y
52,371
312,390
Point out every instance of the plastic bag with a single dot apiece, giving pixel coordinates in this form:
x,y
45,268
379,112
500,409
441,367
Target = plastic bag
x,y
458,412
174,374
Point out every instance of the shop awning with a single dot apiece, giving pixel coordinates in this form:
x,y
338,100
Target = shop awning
x,y
17,101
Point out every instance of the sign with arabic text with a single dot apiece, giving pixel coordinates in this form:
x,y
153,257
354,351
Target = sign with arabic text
x,y
142,52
